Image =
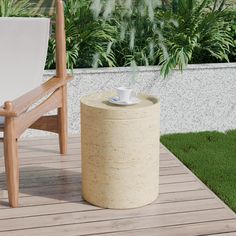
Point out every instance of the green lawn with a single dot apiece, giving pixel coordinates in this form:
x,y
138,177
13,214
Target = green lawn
x,y
212,157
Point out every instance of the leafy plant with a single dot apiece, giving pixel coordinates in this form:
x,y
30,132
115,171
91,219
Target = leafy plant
x,y
16,8
232,31
87,38
173,34
140,35
170,33
202,30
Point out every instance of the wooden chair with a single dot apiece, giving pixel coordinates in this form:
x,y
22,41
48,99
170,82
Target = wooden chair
x,y
23,47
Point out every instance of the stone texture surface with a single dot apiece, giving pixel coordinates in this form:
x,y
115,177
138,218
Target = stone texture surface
x,y
120,151
201,98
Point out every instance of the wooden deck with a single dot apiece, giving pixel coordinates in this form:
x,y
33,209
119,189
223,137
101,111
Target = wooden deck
x,y
51,203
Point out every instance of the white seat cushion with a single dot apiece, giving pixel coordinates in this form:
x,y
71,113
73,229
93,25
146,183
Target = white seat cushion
x,y
23,51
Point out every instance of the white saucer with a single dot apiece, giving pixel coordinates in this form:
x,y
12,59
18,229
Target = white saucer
x,y
116,101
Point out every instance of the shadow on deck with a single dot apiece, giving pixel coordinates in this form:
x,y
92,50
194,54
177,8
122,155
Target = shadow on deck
x,y
51,202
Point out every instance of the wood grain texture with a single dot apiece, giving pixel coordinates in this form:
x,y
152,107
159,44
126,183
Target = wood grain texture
x,y
51,201
61,73
21,104
46,123
11,158
6,113
19,117
26,119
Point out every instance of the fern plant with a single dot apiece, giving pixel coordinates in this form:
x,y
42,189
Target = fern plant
x,y
170,33
174,33
16,8
87,38
140,33
202,31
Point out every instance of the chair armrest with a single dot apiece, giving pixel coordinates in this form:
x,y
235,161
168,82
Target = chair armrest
x,y
6,113
22,103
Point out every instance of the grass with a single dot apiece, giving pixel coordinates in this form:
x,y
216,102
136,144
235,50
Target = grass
x,y
212,157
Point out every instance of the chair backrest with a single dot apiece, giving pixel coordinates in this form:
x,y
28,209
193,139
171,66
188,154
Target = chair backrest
x,y
23,52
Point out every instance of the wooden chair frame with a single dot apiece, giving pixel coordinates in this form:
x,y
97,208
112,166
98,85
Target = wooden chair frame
x,y
18,118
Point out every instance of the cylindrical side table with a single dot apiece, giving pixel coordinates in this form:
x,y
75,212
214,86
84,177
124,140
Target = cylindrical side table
x,y
120,151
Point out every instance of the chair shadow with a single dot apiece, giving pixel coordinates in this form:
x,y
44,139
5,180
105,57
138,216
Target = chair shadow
x,y
46,186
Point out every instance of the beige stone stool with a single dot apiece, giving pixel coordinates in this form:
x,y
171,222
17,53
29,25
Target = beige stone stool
x,y
120,151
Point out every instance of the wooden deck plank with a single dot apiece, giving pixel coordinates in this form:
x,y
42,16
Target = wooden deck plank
x,y
157,208
223,234
75,213
36,150
51,202
65,186
40,161
200,182
203,229
50,154
50,199
43,171
64,225
71,177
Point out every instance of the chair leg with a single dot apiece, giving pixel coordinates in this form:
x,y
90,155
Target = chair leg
x,y
63,123
11,164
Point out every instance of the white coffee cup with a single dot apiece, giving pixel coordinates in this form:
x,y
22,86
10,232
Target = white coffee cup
x,y
124,94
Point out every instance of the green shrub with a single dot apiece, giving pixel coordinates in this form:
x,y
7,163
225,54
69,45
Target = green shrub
x,y
140,38
175,34
87,38
232,30
170,33
202,34
16,8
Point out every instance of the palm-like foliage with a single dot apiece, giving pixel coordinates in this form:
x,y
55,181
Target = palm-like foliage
x,y
140,34
202,30
174,34
128,32
87,38
231,27
16,8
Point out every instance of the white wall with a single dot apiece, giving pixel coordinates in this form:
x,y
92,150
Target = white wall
x,y
201,98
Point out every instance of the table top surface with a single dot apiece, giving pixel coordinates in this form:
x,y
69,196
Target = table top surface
x,y
101,100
